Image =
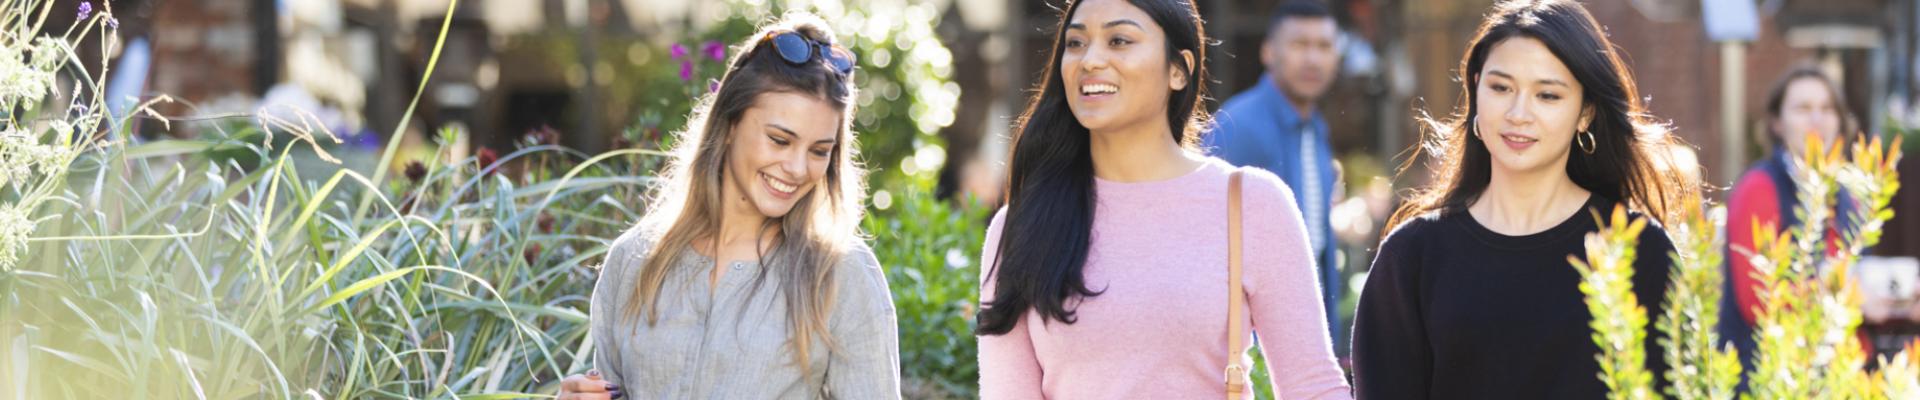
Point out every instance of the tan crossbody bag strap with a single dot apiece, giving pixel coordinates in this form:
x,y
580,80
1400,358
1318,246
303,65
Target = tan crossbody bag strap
x,y
1236,373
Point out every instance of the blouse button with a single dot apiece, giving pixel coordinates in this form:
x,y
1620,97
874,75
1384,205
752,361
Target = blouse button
x,y
737,266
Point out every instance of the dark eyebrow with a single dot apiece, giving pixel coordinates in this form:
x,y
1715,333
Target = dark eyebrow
x,y
789,132
1109,24
796,135
1540,81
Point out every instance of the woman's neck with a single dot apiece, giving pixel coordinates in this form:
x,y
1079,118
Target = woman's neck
x,y
740,223
1140,153
1518,204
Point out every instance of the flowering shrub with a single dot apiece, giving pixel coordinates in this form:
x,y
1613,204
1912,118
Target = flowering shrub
x,y
38,140
931,250
1806,346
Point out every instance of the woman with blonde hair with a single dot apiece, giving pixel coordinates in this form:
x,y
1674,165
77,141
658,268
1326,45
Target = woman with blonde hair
x,y
748,277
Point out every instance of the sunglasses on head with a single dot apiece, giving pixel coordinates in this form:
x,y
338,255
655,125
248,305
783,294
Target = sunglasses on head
x,y
797,49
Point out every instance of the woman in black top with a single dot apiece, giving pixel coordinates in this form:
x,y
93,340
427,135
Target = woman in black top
x,y
1471,295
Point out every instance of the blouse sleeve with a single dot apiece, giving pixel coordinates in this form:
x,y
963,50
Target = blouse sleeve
x,y
867,363
605,309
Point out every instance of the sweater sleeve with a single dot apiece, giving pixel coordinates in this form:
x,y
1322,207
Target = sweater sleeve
x,y
1752,203
1283,295
1652,275
1392,358
1008,367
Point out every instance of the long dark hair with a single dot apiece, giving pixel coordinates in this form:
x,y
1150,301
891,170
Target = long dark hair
x,y
1631,160
1050,191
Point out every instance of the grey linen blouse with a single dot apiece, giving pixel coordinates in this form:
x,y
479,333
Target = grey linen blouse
x,y
729,340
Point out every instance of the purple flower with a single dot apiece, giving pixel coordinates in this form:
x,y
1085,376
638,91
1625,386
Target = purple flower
x,y
113,23
713,84
715,50
686,70
679,51
86,9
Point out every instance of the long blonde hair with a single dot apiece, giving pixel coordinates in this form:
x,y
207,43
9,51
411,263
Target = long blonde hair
x,y
686,202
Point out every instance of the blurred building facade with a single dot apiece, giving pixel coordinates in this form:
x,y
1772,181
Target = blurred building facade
x,y
360,61
363,59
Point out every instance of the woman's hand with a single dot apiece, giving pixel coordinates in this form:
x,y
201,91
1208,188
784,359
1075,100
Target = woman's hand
x,y
589,387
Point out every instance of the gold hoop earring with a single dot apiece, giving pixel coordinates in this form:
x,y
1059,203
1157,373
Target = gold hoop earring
x,y
1589,144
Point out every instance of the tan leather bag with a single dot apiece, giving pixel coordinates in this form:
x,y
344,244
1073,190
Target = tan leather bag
x,y
1237,370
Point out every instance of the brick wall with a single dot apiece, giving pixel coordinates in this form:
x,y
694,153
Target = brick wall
x,y
203,51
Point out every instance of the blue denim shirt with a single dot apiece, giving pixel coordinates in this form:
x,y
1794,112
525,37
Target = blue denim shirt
x,y
1259,128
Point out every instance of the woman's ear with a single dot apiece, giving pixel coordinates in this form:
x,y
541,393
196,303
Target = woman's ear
x,y
1586,118
1773,131
1176,76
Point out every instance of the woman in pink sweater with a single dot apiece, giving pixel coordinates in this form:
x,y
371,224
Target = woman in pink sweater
x,y
1106,274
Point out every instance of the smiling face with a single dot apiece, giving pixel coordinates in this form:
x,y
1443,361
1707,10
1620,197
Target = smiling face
x,y
778,152
1114,66
1529,107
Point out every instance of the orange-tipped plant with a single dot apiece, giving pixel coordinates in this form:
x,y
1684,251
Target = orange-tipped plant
x,y
1701,368
1805,334
1607,280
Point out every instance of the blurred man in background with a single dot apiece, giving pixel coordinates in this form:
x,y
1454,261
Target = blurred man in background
x,y
1275,125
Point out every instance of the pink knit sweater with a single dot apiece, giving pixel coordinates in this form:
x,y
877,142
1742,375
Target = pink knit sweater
x,y
1159,251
